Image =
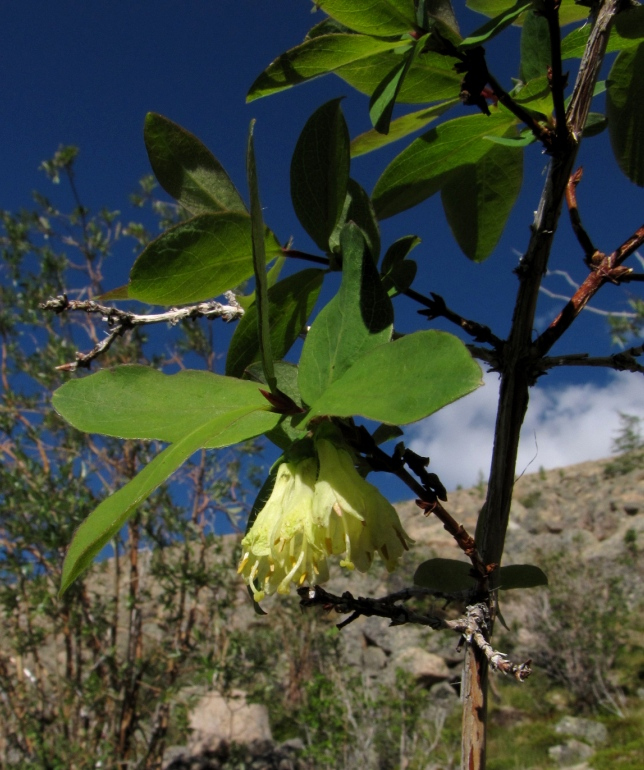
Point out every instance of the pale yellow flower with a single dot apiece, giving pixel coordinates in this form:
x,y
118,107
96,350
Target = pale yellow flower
x,y
280,548
319,506
356,518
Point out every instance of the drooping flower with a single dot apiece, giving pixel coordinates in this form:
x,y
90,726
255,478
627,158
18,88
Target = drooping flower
x,y
319,506
281,548
359,521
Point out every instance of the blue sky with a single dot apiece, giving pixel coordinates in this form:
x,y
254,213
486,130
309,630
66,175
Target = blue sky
x,y
86,73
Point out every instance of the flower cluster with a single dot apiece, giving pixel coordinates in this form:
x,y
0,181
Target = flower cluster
x,y
320,506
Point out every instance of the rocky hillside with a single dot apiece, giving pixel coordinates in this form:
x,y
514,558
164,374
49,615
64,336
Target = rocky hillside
x,y
584,525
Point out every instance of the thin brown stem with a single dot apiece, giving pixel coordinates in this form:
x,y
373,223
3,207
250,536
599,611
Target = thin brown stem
x,y
575,218
607,269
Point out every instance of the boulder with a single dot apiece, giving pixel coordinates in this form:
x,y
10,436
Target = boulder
x,y
585,729
426,667
217,719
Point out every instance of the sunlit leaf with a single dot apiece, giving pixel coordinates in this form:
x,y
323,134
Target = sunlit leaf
x,y
495,25
141,402
197,260
381,18
316,57
187,170
431,77
107,519
358,318
402,381
383,99
399,128
569,10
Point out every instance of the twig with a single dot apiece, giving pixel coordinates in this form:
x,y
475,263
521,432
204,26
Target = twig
x,y
575,220
121,321
621,362
604,269
588,308
555,74
429,491
472,627
542,133
436,308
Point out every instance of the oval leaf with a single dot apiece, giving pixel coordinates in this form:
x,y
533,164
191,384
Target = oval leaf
x,y
315,57
320,172
141,402
108,518
399,128
357,319
447,575
421,170
431,77
197,260
290,303
478,199
381,18
625,112
187,170
403,381
521,576
358,209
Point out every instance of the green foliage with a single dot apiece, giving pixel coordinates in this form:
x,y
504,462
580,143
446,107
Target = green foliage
x,y
354,364
84,678
187,170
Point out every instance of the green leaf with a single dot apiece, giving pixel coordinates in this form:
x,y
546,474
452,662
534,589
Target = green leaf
x,y
284,433
431,77
627,31
569,11
140,402
525,138
107,519
521,576
259,265
536,96
399,128
358,209
316,57
595,124
358,318
423,168
446,575
495,25
381,18
290,303
478,199
383,99
398,272
197,260
625,112
246,300
535,47
320,172
402,381
187,170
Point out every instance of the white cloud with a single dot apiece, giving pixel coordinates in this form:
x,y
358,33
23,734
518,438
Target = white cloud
x,y
564,425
